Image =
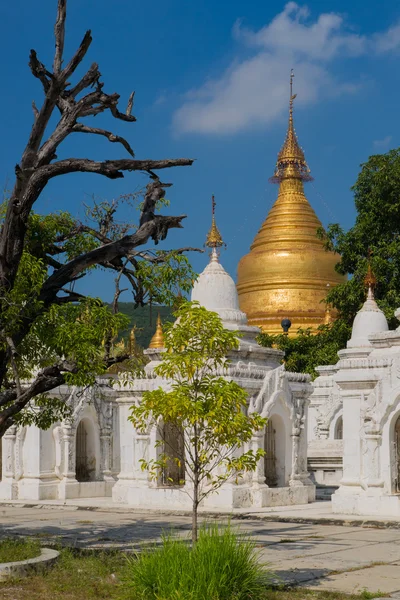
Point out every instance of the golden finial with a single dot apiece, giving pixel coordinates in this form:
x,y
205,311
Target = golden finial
x,y
214,238
120,345
370,279
157,341
132,340
291,161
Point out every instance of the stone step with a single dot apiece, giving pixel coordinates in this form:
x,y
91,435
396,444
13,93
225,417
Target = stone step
x,y
325,492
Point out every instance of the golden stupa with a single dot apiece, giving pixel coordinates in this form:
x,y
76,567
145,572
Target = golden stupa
x,y
287,271
157,341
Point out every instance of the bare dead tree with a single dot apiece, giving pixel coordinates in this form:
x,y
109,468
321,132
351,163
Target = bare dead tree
x,y
73,103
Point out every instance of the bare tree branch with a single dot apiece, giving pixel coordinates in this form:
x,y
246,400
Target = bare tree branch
x,y
90,78
113,169
59,34
130,104
78,56
156,229
80,128
35,110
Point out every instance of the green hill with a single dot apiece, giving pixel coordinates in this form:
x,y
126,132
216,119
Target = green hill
x,y
144,319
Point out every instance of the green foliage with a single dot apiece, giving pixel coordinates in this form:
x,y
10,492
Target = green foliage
x,y
222,566
43,411
44,230
14,550
377,229
165,276
308,350
74,331
208,407
77,332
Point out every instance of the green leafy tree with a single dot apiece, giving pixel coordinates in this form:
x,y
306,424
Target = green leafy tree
x,y
308,349
374,238
49,334
203,406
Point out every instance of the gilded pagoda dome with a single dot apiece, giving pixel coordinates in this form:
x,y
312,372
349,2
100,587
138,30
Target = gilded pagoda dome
x,y
287,271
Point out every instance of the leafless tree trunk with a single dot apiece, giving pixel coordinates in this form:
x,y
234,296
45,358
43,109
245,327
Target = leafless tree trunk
x,y
38,165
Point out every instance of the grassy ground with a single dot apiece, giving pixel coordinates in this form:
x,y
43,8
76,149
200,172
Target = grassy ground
x,y
15,550
99,576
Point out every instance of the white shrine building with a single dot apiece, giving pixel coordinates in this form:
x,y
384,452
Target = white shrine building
x,y
354,418
97,451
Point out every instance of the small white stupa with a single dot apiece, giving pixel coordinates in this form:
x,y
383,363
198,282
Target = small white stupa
x,y
216,291
215,288
369,319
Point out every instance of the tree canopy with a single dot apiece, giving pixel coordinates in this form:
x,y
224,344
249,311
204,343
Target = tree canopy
x,y
50,334
374,238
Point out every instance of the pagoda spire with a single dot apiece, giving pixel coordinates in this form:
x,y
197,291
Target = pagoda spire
x,y
157,341
370,279
291,162
214,238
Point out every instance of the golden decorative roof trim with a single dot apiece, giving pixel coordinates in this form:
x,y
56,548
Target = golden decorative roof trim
x,y
157,341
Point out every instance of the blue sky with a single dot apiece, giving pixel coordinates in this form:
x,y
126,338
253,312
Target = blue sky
x,y
211,83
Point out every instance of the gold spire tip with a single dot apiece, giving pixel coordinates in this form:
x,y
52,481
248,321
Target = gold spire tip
x,y
157,341
291,163
370,279
214,238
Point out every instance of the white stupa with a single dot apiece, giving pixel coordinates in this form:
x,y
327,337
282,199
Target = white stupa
x,y
369,319
214,288
216,291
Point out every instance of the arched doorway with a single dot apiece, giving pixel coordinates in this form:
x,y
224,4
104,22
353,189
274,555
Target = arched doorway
x,y
397,447
338,435
275,452
271,478
85,462
173,472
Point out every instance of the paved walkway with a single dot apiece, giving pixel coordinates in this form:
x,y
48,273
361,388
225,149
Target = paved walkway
x,y
314,555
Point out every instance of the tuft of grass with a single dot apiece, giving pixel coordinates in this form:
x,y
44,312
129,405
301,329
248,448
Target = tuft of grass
x,y
287,541
223,565
100,575
75,576
14,550
366,595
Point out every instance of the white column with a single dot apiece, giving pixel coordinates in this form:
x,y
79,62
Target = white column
x,y
371,461
8,484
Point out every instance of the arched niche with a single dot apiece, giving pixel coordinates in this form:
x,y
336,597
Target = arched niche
x,y
277,451
87,451
338,428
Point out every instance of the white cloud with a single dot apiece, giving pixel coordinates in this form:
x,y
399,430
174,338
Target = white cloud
x,y
384,143
387,41
292,32
254,91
